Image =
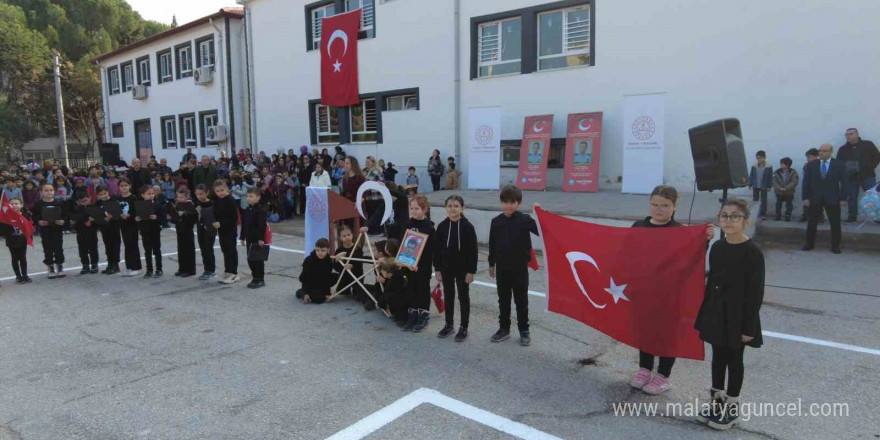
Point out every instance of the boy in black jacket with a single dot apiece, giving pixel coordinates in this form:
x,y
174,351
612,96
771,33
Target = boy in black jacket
x,y
225,221
86,234
150,229
206,234
186,247
53,238
109,233
455,259
253,232
510,249
317,274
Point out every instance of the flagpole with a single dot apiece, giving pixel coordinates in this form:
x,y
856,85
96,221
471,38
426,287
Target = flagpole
x,y
546,268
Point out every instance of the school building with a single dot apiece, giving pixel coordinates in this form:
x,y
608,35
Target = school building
x,y
795,74
180,89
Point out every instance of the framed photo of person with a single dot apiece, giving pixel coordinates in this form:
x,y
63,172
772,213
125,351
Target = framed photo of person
x,y
411,248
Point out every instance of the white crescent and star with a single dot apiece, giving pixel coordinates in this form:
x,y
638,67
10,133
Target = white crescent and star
x,y
616,291
581,125
535,127
340,34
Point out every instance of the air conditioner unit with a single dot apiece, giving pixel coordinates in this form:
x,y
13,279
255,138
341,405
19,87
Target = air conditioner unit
x,y
217,133
203,75
139,92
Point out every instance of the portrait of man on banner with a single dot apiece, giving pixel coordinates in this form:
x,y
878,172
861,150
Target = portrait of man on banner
x,y
536,152
583,154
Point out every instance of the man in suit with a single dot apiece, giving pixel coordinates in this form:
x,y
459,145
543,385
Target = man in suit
x,y
823,189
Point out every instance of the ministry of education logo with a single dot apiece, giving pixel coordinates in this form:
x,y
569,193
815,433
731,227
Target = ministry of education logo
x,y
643,128
484,134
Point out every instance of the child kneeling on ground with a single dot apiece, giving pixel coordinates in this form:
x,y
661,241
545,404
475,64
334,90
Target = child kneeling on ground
x,y
317,274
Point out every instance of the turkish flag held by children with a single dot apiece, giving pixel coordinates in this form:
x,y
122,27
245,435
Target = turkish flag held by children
x,y
13,218
339,59
641,286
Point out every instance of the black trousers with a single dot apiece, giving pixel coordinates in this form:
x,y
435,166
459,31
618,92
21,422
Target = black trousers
x,y
302,200
19,261
87,244
206,238
53,245
112,239
451,281
513,283
317,296
789,204
258,267
420,297
646,361
728,361
815,212
375,210
186,250
435,182
132,248
230,252
152,246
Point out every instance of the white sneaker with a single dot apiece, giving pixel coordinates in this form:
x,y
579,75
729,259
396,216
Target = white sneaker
x,y
127,273
135,273
229,278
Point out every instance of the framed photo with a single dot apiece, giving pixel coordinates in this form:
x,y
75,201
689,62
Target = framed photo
x,y
411,248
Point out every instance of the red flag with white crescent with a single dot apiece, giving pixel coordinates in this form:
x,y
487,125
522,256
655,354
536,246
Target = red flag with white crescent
x,y
16,219
339,59
641,286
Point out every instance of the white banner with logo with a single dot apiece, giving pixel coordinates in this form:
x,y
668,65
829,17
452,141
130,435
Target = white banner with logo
x,y
317,216
484,147
643,135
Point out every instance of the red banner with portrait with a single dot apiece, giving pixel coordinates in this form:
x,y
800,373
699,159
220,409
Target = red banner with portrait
x,y
583,145
534,152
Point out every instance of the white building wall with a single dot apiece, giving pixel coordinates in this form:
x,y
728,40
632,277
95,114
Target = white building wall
x,y
181,96
413,48
796,75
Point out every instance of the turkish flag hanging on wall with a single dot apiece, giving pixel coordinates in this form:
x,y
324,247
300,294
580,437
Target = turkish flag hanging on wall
x,y
339,59
641,286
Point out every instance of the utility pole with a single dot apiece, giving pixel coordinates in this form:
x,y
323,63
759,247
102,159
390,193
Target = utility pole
x,y
59,104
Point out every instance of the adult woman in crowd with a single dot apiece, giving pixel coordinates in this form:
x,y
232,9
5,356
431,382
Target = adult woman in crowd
x,y
353,179
435,169
326,160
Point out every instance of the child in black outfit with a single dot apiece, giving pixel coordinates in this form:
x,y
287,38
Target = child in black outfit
x,y
226,223
52,233
150,233
346,248
729,317
510,248
186,248
253,232
206,235
395,284
86,234
455,259
316,277
129,229
17,244
420,285
109,232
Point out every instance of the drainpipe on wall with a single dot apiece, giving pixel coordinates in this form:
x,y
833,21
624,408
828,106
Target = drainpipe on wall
x,y
218,50
457,122
252,99
105,100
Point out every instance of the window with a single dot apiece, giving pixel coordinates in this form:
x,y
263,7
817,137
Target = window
x,y
165,66
367,16
500,47
205,52
143,70
37,156
564,38
318,15
184,60
113,80
364,126
327,124
169,132
207,119
127,76
402,102
118,130
188,130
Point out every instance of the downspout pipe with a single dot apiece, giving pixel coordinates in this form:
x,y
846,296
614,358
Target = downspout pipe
x,y
219,62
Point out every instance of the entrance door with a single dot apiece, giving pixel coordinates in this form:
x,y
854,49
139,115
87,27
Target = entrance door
x,y
143,140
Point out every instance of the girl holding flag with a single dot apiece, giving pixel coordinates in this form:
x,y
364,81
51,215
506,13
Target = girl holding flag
x,y
18,232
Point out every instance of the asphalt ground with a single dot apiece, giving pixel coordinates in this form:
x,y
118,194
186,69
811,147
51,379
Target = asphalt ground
x,y
104,357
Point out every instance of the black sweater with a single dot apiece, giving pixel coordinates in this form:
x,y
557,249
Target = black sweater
x,y
38,211
646,223
127,204
226,213
426,261
80,225
253,224
15,239
317,273
455,246
510,246
734,293
185,222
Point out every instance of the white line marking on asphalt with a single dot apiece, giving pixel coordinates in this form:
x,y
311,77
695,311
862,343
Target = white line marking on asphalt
x,y
771,334
390,413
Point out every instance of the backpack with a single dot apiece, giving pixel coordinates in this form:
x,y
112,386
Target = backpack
x,y
870,204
